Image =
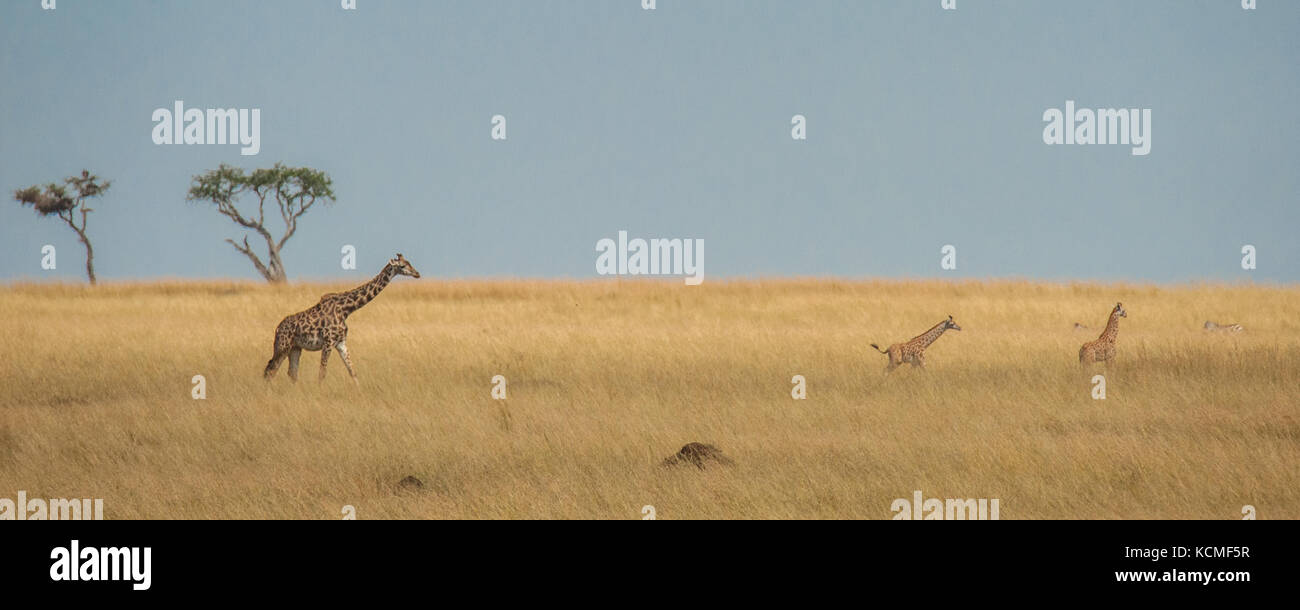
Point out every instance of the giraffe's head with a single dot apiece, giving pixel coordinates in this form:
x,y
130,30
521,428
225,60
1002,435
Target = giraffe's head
x,y
949,324
1119,310
401,266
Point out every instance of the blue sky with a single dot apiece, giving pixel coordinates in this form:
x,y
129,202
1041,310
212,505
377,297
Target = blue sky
x,y
924,129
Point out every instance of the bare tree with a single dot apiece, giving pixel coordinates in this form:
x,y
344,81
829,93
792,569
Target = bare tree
x,y
67,201
293,190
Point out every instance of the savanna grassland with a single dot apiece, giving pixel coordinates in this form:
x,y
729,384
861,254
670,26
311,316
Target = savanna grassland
x,y
605,379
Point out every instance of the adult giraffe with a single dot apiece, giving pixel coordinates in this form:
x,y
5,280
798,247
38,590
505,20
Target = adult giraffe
x,y
324,326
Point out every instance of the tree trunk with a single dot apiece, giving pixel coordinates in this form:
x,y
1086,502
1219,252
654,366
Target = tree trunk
x,y
90,261
277,276
85,241
90,252
273,270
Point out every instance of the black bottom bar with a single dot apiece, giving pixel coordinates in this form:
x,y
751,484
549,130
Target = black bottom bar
x,y
940,559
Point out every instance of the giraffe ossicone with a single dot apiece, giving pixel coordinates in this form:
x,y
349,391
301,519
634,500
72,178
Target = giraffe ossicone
x,y
324,326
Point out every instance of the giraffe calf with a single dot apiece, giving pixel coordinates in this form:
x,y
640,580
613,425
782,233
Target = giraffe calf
x,y
1102,348
913,351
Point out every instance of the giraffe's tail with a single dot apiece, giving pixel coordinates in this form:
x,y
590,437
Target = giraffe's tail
x,y
273,364
878,349
269,371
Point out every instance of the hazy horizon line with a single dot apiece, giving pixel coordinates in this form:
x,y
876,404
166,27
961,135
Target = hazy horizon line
x,y
318,280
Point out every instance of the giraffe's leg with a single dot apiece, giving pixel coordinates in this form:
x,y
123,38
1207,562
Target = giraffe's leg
x,y
294,355
347,361
324,359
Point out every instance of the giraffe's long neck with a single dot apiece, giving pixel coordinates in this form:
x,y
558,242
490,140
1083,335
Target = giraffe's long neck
x,y
929,336
1112,327
354,299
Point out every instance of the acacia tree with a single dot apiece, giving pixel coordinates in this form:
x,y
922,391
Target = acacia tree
x,y
293,190
67,201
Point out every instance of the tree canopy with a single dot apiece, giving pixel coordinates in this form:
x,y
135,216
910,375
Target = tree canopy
x,y
292,190
65,201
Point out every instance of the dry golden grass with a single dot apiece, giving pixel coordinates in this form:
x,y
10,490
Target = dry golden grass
x,y
608,378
